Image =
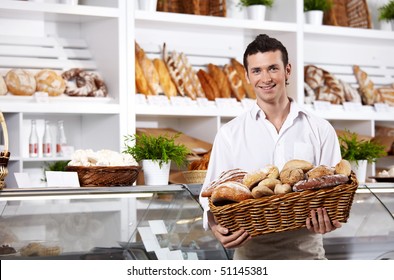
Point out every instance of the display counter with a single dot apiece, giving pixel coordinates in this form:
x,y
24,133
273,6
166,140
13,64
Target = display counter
x,y
105,223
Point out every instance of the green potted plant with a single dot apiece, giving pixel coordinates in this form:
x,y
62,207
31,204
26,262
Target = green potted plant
x,y
314,10
256,8
359,152
386,15
156,154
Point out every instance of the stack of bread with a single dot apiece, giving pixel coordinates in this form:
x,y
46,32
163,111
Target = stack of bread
x,y
74,82
297,175
322,85
173,75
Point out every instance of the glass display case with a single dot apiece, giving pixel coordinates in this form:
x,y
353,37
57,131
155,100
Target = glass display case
x,y
369,231
142,223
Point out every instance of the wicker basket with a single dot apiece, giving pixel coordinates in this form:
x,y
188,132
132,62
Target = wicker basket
x,y
105,176
194,176
278,213
4,155
348,13
195,7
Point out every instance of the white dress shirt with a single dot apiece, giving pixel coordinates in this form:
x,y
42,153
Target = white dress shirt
x,y
251,142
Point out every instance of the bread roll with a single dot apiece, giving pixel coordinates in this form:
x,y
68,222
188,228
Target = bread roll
x,y
3,86
298,163
291,175
272,171
252,179
319,171
49,81
221,80
343,167
242,74
261,190
269,183
20,82
165,79
282,188
208,84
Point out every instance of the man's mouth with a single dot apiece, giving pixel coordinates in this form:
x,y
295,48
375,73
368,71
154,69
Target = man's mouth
x,y
267,87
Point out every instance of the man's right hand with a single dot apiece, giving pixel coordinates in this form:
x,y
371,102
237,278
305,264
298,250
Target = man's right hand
x,y
221,233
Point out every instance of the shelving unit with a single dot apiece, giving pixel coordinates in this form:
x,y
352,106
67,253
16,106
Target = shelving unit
x,y
108,30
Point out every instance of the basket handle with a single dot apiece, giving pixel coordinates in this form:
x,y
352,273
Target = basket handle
x,y
5,131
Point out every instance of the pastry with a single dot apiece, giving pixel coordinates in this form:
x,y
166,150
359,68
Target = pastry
x,y
208,84
3,86
49,81
242,74
237,89
149,70
221,80
83,83
20,82
165,79
320,182
230,192
319,171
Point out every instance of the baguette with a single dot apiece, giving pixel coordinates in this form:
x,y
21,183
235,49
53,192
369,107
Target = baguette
x,y
140,82
242,74
235,81
320,182
209,86
220,78
165,79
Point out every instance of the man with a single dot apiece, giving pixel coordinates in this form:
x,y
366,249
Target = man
x,y
274,131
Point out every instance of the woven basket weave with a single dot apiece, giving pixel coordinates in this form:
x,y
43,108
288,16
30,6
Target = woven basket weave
x,y
194,176
105,176
348,13
195,7
4,155
284,212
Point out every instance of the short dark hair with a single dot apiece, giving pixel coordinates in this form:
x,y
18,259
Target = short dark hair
x,y
263,43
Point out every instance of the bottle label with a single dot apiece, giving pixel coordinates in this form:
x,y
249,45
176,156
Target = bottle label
x,y
33,150
46,149
59,150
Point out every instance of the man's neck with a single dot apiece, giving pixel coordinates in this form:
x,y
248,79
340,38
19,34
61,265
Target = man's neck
x,y
277,113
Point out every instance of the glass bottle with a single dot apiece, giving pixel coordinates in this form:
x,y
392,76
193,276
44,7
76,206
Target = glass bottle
x,y
47,141
61,139
33,140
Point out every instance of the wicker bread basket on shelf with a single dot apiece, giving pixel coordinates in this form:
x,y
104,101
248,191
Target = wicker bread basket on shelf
x,y
284,212
194,176
195,7
348,13
105,176
5,154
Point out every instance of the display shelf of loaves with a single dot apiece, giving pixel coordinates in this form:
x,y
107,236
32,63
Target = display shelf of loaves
x,y
75,82
172,75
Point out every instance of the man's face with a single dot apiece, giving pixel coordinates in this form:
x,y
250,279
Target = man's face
x,y
268,75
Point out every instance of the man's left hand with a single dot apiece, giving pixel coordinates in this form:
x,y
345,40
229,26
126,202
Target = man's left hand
x,y
320,222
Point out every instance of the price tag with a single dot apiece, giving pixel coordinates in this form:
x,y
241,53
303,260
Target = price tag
x,y
381,107
226,102
140,99
179,100
41,97
322,105
352,106
158,100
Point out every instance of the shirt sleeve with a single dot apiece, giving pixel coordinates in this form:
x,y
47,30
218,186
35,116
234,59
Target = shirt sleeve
x,y
330,150
219,161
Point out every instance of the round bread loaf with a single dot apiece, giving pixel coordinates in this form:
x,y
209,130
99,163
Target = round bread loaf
x,y
298,163
3,86
319,171
20,82
49,81
230,192
291,175
235,175
343,167
252,179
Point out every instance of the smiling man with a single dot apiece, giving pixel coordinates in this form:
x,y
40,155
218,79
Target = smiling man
x,y
274,131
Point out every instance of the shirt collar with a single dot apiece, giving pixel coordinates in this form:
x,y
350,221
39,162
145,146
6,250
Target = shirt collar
x,y
295,110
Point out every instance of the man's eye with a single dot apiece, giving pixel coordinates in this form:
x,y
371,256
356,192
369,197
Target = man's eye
x,y
273,69
256,71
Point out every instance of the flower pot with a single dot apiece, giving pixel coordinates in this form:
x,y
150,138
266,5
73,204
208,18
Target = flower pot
x,y
387,25
314,17
153,174
256,12
360,169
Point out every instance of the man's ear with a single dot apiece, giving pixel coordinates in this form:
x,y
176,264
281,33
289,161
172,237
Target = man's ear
x,y
288,71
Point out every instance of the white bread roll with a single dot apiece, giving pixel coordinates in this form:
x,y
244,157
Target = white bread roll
x,y
20,82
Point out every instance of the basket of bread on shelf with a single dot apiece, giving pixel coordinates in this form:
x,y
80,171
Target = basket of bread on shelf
x,y
197,170
103,168
322,85
348,13
171,74
271,200
75,82
195,7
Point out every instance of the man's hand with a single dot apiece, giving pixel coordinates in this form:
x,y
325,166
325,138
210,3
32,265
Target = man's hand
x,y
221,233
320,222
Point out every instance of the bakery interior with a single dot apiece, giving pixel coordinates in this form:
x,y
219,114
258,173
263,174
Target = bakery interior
x,y
104,69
